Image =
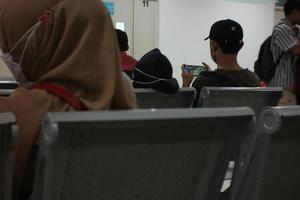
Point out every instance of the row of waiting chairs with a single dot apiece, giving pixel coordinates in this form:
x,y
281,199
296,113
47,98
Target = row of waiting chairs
x,y
256,98
210,97
162,154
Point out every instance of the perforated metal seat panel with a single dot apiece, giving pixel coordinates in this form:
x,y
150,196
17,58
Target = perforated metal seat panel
x,y
148,98
7,120
139,159
255,98
133,171
273,172
282,173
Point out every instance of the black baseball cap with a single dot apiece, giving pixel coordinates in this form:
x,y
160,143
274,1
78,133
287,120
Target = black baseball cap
x,y
226,32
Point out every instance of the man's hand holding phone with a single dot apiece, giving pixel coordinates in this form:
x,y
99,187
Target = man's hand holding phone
x,y
190,71
194,69
187,77
208,68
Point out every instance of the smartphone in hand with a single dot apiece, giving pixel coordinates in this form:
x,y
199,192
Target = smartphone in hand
x,y
194,69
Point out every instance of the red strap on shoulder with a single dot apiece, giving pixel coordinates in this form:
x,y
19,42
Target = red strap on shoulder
x,y
263,84
62,93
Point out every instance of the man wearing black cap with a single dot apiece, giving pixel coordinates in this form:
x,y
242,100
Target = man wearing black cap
x,y
226,40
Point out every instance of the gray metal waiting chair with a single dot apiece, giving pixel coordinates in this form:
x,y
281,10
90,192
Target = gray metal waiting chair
x,y
273,172
7,85
255,98
171,154
5,92
7,137
149,98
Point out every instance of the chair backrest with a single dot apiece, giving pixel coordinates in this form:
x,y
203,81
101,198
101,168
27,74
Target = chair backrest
x,y
255,98
149,98
273,172
170,154
5,92
7,134
7,85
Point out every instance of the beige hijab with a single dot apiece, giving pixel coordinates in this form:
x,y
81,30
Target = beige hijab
x,y
74,48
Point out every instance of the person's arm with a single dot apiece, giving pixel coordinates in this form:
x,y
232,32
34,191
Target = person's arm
x,y
198,84
296,50
287,41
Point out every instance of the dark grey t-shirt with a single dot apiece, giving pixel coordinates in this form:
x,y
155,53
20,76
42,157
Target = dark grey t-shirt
x,y
226,78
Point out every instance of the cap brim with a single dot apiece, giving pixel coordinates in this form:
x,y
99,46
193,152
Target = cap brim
x,y
206,38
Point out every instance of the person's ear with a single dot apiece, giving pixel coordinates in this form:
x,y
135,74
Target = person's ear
x,y
242,44
214,45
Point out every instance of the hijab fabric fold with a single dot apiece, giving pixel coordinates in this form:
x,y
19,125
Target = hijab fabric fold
x,y
75,48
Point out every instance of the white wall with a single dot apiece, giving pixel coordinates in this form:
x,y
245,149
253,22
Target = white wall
x,y
4,71
183,24
279,14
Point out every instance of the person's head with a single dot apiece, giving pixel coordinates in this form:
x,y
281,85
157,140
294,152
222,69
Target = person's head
x,y
65,42
226,38
123,40
292,11
154,70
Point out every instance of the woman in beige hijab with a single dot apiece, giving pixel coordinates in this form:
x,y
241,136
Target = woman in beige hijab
x,y
69,60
